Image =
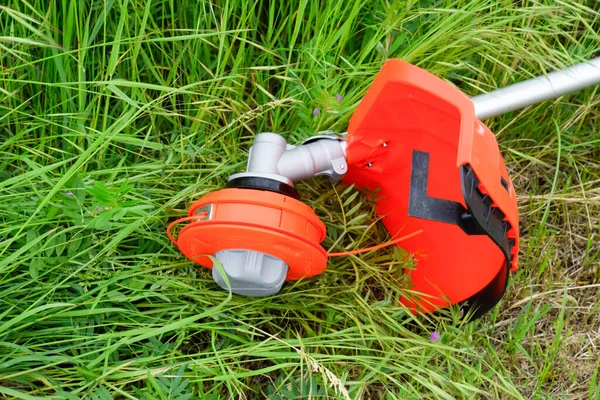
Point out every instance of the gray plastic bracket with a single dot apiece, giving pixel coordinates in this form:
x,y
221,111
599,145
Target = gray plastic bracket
x,y
250,273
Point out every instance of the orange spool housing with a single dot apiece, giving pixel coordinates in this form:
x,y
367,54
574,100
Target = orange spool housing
x,y
416,139
257,220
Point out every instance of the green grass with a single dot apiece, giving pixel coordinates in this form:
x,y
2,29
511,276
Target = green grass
x,y
143,106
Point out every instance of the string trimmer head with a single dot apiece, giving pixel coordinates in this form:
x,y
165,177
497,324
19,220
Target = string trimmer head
x,y
437,170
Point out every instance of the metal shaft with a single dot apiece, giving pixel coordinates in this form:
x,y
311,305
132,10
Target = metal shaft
x,y
536,90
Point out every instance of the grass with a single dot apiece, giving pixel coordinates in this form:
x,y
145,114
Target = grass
x,y
115,115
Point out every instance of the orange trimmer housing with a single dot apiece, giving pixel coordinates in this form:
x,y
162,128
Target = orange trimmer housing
x,y
415,139
436,170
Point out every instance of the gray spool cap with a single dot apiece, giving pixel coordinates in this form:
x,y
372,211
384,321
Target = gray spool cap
x,y
250,273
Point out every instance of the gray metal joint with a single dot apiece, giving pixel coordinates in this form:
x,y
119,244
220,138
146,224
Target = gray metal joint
x,y
321,155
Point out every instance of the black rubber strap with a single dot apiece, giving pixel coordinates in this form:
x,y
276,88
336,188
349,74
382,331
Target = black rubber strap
x,y
478,218
422,206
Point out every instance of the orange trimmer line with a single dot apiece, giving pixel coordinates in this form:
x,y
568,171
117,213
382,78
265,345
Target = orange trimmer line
x,y
377,247
180,220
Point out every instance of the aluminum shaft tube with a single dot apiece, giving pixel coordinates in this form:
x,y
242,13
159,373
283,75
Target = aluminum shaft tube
x,y
536,90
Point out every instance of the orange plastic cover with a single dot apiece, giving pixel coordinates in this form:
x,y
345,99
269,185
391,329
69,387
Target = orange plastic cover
x,y
409,138
256,220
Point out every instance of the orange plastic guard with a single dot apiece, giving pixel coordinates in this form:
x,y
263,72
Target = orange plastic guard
x,y
416,139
